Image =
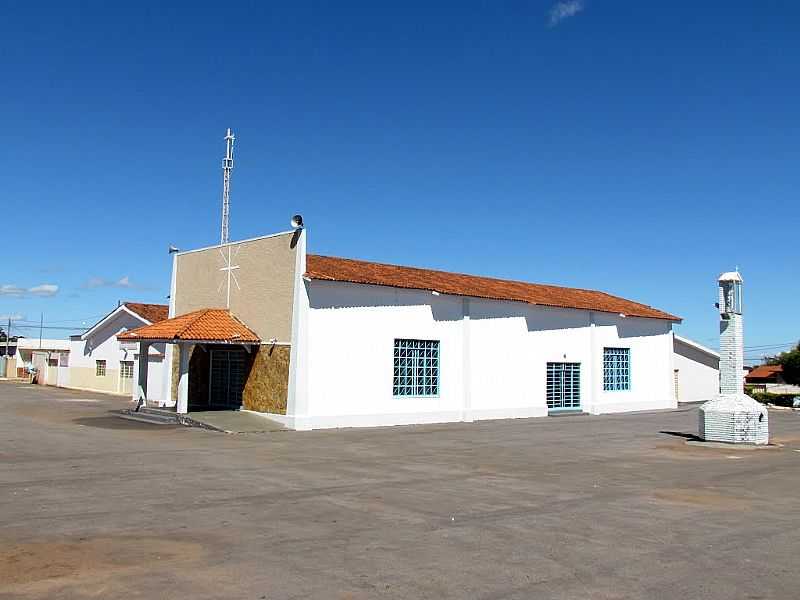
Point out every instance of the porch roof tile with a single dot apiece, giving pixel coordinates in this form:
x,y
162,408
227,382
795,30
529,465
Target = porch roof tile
x,y
205,325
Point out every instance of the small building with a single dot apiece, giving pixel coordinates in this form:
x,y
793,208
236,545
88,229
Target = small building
x,y
44,354
99,362
696,370
763,374
315,341
769,378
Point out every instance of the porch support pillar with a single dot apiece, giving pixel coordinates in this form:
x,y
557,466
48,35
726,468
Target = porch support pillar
x,y
183,379
144,361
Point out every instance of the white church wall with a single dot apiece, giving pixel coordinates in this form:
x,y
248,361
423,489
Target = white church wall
x,y
510,346
517,341
651,383
697,372
352,329
501,350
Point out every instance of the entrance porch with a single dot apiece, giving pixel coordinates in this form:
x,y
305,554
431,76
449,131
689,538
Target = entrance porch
x,y
215,351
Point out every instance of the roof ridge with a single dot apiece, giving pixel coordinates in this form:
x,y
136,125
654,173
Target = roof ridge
x,y
189,322
473,276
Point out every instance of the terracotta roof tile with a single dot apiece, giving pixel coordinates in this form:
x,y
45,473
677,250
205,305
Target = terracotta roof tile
x,y
152,312
328,268
764,372
205,325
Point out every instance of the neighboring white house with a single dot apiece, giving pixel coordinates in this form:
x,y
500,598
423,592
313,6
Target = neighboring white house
x,y
49,356
98,362
317,342
696,371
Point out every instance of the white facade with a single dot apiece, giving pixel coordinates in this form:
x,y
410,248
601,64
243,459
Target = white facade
x,y
48,356
696,371
493,357
120,361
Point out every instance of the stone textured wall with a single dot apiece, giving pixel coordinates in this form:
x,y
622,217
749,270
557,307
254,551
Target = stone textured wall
x,y
267,386
174,367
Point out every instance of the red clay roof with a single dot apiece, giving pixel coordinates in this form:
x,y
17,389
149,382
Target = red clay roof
x,y
764,372
328,268
152,312
206,325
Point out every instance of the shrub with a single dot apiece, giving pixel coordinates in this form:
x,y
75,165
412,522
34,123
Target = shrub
x,y
776,399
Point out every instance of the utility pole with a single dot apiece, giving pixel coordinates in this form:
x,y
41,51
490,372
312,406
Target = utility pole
x,y
227,167
41,323
8,336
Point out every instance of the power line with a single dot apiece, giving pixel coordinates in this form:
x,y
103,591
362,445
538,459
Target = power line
x,y
48,327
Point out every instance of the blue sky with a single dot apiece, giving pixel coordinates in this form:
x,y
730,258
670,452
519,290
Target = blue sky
x,y
635,147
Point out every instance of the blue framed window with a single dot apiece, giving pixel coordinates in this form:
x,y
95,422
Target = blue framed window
x,y
616,369
563,386
416,368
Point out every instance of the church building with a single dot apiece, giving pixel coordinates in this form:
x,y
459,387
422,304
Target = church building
x,y
319,342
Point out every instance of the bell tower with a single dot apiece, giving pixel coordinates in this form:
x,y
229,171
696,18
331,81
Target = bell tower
x,y
731,336
732,416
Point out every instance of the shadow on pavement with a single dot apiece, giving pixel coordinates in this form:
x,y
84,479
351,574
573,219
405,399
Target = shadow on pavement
x,y
684,435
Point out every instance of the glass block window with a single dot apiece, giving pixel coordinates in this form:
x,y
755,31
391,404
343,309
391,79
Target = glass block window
x,y
126,369
563,385
416,368
100,368
616,369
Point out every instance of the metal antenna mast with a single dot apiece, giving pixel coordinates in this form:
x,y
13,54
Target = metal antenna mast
x,y
227,167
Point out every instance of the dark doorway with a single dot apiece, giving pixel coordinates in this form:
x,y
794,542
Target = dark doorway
x,y
228,372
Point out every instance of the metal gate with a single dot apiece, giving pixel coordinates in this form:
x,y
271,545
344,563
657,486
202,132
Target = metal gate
x,y
227,376
563,386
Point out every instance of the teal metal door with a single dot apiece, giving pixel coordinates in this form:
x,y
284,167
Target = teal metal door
x,y
563,386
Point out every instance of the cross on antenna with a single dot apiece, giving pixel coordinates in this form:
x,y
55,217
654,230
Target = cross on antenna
x,y
227,167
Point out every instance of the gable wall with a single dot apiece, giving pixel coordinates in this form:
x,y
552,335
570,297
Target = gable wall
x,y
264,294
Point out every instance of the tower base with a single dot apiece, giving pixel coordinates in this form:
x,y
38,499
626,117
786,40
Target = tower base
x,y
735,419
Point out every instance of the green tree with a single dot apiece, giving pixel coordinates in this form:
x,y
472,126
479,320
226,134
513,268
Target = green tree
x,y
790,361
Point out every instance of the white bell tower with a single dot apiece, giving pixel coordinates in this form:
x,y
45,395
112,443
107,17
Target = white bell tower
x,y
731,337
732,416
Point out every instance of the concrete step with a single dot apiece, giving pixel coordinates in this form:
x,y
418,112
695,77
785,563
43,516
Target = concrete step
x,y
153,419
162,412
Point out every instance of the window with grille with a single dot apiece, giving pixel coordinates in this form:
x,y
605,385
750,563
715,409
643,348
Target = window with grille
x,y
616,369
563,385
126,369
100,368
416,368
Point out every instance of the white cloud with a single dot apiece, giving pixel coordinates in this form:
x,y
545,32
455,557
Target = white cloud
x,y
11,290
101,282
564,10
45,290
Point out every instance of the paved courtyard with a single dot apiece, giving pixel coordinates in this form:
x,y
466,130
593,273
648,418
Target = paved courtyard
x,y
573,507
